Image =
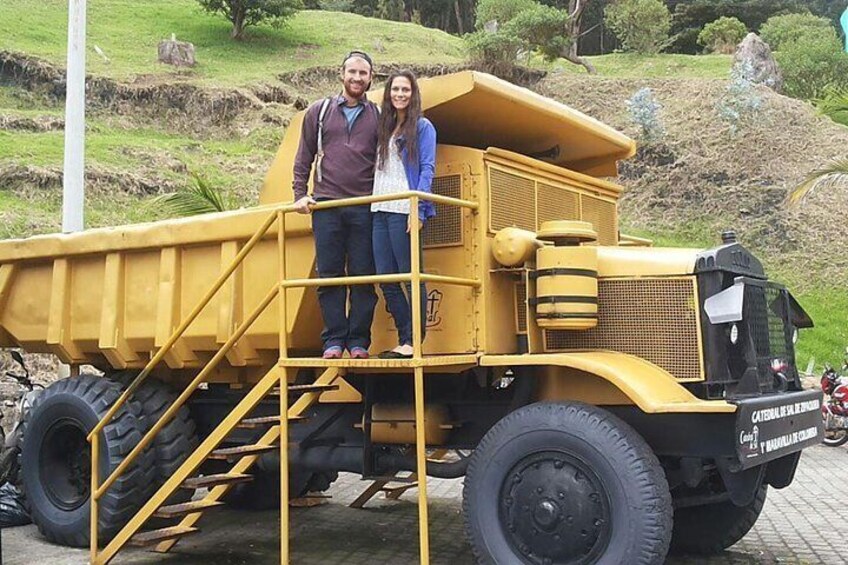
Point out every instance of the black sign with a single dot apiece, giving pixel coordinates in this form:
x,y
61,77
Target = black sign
x,y
772,426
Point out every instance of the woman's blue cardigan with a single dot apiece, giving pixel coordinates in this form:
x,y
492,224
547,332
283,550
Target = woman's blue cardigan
x,y
419,173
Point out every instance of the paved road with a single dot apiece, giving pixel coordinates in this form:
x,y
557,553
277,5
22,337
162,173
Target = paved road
x,y
799,525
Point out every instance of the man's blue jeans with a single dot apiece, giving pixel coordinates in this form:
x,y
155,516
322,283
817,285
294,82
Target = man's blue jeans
x,y
343,239
392,255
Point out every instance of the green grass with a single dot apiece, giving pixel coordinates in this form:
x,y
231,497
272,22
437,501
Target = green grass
x,y
826,342
632,65
128,32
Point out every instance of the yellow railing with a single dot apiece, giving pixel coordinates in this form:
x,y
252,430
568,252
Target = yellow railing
x,y
278,216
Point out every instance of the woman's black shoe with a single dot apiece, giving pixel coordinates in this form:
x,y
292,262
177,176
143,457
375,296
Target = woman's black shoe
x,y
393,355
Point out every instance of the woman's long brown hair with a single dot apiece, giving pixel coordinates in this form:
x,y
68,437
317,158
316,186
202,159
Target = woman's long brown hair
x,y
388,120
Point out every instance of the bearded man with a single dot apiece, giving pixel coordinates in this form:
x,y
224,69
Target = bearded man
x,y
339,136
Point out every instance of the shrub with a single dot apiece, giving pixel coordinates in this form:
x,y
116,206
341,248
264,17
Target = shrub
x,y
640,25
644,111
740,101
723,35
494,52
812,63
780,30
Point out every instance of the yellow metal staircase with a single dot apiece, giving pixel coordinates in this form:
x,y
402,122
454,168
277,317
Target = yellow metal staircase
x,y
245,457
278,376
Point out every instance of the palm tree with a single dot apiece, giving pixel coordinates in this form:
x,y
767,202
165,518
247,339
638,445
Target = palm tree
x,y
832,174
200,198
834,104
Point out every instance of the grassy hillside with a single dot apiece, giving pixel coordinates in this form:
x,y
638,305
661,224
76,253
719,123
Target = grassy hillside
x,y
128,31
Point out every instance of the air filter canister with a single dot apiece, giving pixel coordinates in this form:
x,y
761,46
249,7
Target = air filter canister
x,y
566,277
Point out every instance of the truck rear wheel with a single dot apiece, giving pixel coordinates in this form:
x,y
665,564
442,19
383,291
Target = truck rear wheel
x,y
551,482
710,529
175,441
56,460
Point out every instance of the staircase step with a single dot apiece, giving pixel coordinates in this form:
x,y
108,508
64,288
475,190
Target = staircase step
x,y
156,536
262,421
215,480
302,389
227,453
179,510
391,479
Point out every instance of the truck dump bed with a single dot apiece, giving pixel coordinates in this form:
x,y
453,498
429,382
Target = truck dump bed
x,y
113,295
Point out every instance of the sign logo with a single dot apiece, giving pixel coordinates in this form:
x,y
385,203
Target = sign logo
x,y
750,440
434,302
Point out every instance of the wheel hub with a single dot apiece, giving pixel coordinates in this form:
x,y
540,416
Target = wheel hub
x,y
555,510
65,464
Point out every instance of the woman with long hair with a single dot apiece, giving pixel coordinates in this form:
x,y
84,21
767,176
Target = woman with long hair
x,y
406,160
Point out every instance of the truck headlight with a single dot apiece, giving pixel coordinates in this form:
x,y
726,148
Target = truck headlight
x,y
794,336
734,334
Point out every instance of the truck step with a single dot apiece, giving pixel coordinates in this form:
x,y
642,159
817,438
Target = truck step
x,y
215,480
262,421
227,453
302,389
186,508
156,536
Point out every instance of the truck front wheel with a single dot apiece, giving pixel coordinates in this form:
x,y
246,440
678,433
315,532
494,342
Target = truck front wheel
x,y
56,460
551,482
712,528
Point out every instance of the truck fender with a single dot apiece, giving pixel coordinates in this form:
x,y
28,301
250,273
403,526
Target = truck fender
x,y
611,378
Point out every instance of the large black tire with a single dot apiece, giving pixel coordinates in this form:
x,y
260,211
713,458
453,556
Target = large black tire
x,y
710,529
263,492
551,482
175,441
56,460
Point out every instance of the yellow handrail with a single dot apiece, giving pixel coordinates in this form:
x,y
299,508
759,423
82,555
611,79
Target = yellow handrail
x,y
277,215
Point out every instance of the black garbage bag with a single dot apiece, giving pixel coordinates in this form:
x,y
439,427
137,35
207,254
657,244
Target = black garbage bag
x,y
12,509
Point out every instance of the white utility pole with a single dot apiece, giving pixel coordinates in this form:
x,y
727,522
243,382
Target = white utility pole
x,y
73,186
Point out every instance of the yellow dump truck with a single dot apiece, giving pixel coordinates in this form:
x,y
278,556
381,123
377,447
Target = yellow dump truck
x,y
604,399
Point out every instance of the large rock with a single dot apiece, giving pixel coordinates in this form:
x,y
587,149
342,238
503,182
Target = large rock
x,y
177,53
755,54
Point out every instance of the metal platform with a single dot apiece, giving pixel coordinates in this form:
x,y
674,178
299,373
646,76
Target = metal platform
x,y
431,361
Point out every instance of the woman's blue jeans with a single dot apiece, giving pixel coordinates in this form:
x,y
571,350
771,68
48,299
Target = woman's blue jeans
x,y
392,255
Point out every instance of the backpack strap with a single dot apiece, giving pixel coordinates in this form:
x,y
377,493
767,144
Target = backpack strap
x,y
320,155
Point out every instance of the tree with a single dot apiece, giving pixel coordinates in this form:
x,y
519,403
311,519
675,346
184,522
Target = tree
x,y
507,27
640,25
723,35
244,13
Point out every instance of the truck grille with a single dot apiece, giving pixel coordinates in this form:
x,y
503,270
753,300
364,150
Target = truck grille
x,y
656,319
766,309
520,200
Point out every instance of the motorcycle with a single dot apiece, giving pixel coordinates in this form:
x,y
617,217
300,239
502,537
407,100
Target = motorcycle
x,y
10,448
835,406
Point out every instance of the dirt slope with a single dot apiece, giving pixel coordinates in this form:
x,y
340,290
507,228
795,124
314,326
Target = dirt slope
x,y
704,177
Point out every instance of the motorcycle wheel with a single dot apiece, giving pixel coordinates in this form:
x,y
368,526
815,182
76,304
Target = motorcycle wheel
x,y
835,438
